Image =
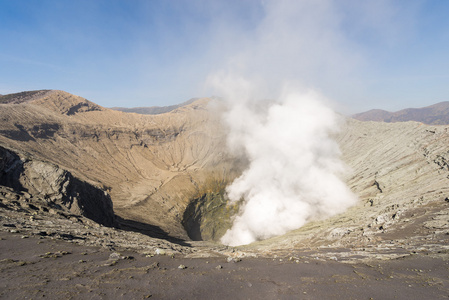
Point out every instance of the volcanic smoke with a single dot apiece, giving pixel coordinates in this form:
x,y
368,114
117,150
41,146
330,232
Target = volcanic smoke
x,y
294,166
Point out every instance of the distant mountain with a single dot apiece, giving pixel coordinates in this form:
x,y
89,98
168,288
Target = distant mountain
x,y
437,114
153,110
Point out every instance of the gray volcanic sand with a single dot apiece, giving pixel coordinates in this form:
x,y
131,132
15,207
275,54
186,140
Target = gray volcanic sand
x,y
34,268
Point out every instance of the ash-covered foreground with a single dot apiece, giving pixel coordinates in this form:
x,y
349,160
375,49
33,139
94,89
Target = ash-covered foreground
x,y
38,268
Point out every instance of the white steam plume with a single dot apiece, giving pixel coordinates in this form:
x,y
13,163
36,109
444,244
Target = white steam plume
x,y
294,170
294,166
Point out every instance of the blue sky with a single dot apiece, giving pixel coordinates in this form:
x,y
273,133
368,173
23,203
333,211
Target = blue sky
x,y
360,54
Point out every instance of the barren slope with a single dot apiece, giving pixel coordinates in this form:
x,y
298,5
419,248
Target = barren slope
x,y
149,164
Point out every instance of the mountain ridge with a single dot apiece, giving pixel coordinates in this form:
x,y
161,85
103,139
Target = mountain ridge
x,y
436,114
153,110
42,96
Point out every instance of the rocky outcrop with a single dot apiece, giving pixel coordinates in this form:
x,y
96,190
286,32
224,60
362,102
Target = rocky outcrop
x,y
29,215
57,186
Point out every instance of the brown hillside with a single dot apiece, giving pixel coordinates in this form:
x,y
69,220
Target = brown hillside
x,y
149,164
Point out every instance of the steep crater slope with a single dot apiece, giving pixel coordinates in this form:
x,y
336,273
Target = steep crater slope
x,y
152,166
208,215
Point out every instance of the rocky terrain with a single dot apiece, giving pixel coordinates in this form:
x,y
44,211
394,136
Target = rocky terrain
x,y
56,188
437,114
150,165
46,268
153,184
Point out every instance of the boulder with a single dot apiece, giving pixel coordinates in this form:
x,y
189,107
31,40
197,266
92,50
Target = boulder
x,y
56,185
